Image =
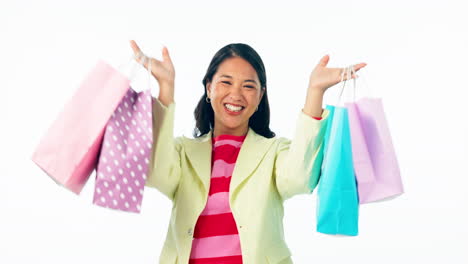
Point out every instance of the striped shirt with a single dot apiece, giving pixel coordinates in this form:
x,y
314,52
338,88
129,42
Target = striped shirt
x,y
216,238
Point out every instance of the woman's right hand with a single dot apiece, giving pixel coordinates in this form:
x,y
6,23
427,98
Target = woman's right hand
x,y
163,71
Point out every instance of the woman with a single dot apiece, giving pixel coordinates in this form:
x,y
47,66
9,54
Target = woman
x,y
228,184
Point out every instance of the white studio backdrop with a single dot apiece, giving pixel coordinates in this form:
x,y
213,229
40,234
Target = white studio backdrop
x,y
416,56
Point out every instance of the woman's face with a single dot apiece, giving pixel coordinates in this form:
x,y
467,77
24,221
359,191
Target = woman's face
x,y
235,93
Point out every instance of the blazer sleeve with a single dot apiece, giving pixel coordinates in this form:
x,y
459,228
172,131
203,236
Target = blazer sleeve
x,y
164,171
298,161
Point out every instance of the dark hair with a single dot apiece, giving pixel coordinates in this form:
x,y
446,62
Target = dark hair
x,y
260,120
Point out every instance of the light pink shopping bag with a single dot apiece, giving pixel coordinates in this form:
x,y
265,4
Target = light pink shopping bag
x,y
374,159
362,163
69,150
385,181
125,154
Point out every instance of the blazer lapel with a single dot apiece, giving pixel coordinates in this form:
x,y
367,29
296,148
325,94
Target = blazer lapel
x,y
251,153
199,153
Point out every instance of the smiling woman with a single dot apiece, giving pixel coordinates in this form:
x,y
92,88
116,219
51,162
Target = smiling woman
x,y
228,184
235,79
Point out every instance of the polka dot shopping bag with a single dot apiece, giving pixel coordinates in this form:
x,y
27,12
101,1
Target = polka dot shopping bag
x,y
125,153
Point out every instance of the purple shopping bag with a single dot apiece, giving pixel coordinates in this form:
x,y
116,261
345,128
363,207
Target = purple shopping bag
x,y
125,153
68,151
385,180
363,169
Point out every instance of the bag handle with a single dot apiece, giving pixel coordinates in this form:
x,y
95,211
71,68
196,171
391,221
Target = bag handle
x,y
369,91
133,68
128,62
350,72
146,59
346,70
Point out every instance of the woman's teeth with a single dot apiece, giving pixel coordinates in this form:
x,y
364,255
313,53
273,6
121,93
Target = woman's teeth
x,y
233,108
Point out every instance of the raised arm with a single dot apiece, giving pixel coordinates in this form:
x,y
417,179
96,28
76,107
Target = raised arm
x,y
164,168
298,162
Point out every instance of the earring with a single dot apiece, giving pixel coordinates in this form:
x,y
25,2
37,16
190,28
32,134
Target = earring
x,y
256,109
207,99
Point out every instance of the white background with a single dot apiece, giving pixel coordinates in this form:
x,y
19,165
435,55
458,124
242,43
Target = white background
x,y
417,61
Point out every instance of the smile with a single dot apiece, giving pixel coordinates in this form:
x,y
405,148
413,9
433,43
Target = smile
x,y
233,108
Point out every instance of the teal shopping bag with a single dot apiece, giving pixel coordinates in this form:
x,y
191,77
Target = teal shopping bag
x,y
337,198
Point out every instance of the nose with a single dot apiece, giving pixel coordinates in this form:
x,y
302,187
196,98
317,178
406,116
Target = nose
x,y
235,92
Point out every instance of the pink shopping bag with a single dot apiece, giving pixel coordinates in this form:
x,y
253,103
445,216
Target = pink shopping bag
x,y
125,154
386,179
374,159
69,150
363,169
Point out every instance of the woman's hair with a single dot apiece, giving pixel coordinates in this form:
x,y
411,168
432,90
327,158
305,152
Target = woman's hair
x,y
260,120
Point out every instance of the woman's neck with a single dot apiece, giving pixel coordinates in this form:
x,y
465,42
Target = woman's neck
x,y
233,132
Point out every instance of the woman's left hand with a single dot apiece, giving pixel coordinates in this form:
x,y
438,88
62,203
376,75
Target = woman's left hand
x,y
323,78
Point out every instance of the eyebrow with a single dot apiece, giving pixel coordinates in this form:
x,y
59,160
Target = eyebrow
x,y
248,80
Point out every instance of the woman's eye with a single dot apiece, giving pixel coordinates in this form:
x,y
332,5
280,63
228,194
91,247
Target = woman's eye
x,y
248,86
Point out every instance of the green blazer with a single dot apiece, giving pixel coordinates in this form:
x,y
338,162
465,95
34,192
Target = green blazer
x,y
267,172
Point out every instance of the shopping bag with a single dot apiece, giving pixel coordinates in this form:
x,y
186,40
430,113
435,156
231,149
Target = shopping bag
x,y
69,149
375,162
337,200
386,182
363,169
125,153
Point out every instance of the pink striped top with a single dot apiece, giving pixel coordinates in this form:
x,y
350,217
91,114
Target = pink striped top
x,y
216,238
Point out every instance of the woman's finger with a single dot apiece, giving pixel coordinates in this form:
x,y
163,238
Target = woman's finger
x,y
140,57
356,68
135,47
166,57
324,61
138,54
344,75
341,73
359,66
165,53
